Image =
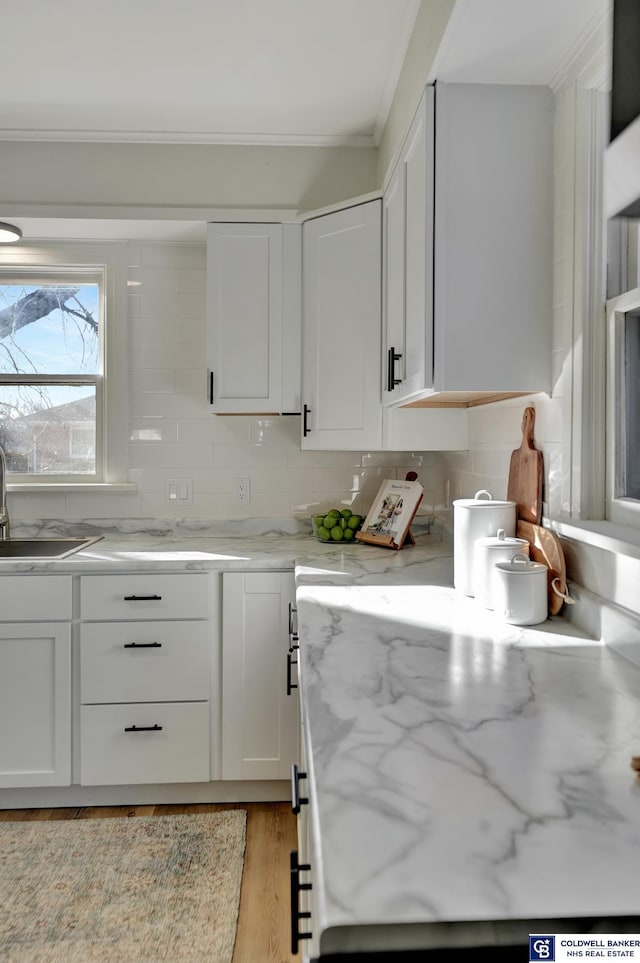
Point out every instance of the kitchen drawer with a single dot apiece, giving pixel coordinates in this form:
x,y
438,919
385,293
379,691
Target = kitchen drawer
x,y
144,662
178,751
147,596
31,598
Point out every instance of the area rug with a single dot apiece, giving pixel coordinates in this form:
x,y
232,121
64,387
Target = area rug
x,y
121,890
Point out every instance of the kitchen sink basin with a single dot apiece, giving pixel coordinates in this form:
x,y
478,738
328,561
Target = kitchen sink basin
x,y
44,547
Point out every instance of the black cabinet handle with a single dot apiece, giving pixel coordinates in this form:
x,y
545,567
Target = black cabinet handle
x,y
211,396
142,645
306,411
290,685
142,598
296,799
295,870
292,611
392,357
155,728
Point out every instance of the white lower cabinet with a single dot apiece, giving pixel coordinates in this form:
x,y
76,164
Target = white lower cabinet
x,y
145,682
35,704
259,718
35,681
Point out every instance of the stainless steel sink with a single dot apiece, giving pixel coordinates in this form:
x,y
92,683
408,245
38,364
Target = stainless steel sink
x,y
44,547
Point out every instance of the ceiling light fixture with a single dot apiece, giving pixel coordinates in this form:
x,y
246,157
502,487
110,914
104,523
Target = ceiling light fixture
x,y
9,233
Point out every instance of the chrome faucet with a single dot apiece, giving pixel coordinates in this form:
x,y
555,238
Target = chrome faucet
x,y
4,511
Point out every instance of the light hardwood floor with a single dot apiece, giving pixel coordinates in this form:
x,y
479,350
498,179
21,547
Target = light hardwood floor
x,y
264,923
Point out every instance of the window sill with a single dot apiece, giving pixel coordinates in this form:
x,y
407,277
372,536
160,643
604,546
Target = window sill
x,y
609,536
97,488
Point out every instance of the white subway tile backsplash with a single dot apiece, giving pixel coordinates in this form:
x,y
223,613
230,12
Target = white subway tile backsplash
x,y
166,405
158,379
173,432
171,304
170,456
248,456
171,355
158,331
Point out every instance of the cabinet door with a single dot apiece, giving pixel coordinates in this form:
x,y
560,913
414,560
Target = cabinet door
x,y
393,286
341,255
259,719
35,704
244,317
408,264
493,237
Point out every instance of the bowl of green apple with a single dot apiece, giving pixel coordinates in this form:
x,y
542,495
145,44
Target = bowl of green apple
x,y
337,525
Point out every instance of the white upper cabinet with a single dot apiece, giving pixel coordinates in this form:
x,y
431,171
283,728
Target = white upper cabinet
x,y
407,356
468,248
253,318
341,329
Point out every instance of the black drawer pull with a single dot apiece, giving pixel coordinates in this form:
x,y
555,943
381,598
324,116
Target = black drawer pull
x,y
296,799
211,394
306,411
143,645
296,914
290,685
143,598
155,728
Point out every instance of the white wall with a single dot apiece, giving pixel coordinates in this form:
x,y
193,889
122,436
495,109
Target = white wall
x,y
173,434
37,177
428,31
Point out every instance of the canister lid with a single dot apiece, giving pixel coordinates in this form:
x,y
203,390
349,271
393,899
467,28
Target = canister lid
x,y
500,540
487,501
521,565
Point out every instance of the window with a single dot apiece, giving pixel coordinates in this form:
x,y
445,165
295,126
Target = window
x,y
623,408
51,335
63,364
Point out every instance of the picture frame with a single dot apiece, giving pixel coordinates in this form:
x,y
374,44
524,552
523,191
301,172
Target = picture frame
x,y
389,520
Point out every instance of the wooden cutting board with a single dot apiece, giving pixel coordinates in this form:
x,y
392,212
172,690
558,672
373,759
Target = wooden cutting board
x,y
545,547
525,474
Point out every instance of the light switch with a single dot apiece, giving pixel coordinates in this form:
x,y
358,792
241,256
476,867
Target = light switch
x,y
179,491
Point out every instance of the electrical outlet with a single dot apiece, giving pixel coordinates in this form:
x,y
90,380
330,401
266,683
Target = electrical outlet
x,y
243,490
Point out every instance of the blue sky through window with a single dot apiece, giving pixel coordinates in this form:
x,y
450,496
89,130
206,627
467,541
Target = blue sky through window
x,y
60,342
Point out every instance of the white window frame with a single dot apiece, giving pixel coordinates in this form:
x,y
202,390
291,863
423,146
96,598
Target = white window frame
x,y
621,510
90,259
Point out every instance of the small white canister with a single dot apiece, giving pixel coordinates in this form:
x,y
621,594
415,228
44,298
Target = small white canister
x,y
474,518
489,551
521,592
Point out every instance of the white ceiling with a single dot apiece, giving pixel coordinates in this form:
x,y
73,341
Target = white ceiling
x,y
233,71
515,41
248,71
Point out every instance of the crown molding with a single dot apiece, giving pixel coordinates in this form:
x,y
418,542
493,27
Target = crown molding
x,y
187,137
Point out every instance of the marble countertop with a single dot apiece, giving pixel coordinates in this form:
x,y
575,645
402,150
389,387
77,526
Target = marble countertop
x,y
196,553
465,776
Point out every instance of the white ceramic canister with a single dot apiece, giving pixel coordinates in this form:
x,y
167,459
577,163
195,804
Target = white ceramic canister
x,y
474,518
487,552
521,591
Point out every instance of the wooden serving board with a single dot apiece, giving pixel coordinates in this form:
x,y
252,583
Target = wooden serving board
x,y
525,474
545,547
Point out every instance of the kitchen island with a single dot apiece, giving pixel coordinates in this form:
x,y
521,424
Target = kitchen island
x,y
469,782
